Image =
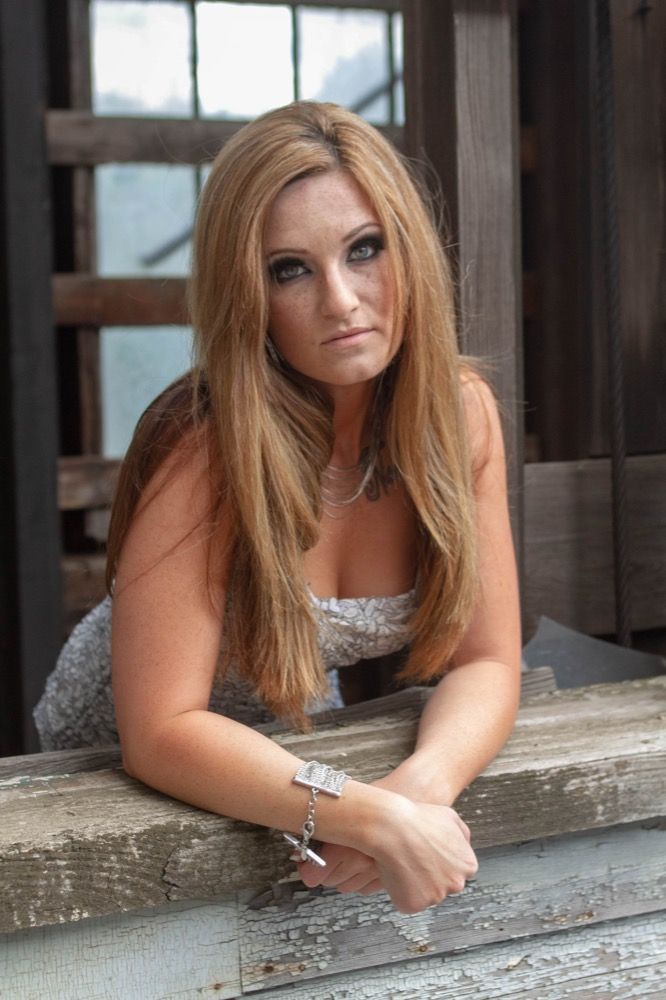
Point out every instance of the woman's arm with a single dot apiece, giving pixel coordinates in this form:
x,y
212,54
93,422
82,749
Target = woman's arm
x,y
166,639
472,710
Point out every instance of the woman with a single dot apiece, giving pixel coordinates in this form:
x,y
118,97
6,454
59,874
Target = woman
x,y
326,485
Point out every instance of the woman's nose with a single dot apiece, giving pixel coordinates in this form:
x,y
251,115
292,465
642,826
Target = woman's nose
x,y
339,296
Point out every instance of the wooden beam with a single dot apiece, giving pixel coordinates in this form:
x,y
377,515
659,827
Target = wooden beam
x,y
86,299
89,299
84,585
100,843
29,530
385,5
80,138
639,47
86,481
568,544
462,117
556,228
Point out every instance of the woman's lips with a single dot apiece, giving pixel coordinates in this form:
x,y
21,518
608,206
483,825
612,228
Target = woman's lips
x,y
348,337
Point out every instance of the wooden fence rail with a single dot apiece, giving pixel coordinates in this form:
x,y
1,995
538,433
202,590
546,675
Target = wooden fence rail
x,y
567,821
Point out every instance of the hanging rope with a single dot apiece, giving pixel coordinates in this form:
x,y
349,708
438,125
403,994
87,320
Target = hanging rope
x,y
605,117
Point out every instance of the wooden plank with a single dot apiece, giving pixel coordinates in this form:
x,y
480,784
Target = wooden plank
x,y
568,549
521,891
555,224
29,530
84,226
81,138
462,115
97,843
86,299
86,481
84,585
639,68
388,5
177,952
620,960
535,682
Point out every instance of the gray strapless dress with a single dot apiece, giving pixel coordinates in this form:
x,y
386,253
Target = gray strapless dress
x,y
76,709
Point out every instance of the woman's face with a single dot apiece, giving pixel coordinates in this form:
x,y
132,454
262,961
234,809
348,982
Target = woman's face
x,y
330,287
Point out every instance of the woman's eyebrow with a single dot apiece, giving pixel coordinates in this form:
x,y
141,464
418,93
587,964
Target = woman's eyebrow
x,y
371,223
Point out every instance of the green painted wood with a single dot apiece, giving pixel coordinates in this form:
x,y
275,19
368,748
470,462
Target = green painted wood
x,y
521,891
619,960
185,951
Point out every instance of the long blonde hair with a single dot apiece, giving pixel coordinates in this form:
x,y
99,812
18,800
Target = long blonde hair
x,y
269,432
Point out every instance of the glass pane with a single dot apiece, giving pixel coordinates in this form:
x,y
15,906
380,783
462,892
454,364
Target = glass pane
x,y
399,89
144,218
245,64
344,58
136,363
141,58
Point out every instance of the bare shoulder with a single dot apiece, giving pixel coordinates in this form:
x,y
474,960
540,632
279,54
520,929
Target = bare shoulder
x,y
182,484
176,517
483,422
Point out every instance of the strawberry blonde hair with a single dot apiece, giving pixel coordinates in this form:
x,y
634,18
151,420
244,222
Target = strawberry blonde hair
x,y
268,432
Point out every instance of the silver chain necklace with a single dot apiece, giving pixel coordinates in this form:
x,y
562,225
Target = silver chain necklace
x,y
337,480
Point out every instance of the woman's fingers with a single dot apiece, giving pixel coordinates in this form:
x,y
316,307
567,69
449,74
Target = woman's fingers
x,y
342,865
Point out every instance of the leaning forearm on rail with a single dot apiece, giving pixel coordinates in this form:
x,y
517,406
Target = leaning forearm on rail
x,y
225,767
464,725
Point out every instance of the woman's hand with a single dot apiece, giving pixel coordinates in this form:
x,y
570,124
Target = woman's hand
x,y
425,856
347,870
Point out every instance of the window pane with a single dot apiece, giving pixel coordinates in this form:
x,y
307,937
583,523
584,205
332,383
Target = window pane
x,y
144,218
141,58
136,363
245,64
344,58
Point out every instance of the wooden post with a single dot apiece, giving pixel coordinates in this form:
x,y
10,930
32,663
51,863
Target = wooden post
x,y
461,99
30,609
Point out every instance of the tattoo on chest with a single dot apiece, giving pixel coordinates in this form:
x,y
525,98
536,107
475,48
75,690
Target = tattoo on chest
x,y
380,482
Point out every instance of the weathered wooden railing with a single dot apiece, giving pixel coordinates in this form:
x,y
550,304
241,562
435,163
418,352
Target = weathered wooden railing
x,y
108,889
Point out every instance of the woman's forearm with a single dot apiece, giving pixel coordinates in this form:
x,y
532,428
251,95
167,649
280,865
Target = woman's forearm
x,y
464,725
420,850
225,767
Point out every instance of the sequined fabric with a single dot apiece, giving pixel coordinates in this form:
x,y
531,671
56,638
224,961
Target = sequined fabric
x,y
76,709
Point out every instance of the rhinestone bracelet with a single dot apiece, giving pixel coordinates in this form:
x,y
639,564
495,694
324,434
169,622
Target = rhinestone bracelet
x,y
318,778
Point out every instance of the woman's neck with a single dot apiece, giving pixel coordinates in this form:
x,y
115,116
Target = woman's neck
x,y
350,412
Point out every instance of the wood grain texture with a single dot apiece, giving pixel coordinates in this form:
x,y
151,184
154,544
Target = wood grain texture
x,y
29,528
86,481
619,960
83,585
535,888
85,299
183,951
639,95
462,120
81,138
94,843
569,552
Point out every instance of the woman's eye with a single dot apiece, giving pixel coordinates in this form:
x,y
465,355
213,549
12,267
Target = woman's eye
x,y
286,270
366,248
